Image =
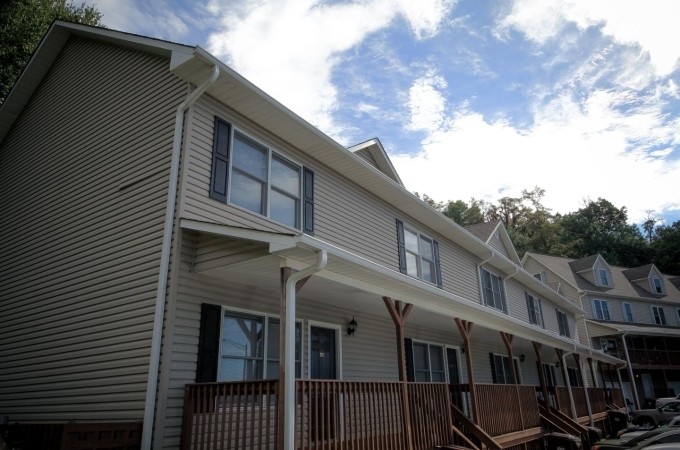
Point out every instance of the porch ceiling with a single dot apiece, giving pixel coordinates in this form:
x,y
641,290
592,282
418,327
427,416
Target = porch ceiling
x,y
356,283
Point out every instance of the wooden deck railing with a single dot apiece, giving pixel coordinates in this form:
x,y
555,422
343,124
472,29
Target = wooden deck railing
x,y
329,414
506,408
598,401
616,397
241,415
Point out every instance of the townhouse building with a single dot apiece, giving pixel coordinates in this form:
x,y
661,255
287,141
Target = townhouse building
x,y
189,264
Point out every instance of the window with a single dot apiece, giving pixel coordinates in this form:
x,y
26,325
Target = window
x,y
627,312
418,255
540,276
428,362
250,348
252,176
677,314
658,315
550,374
601,310
603,277
658,287
493,291
608,345
501,371
534,307
562,323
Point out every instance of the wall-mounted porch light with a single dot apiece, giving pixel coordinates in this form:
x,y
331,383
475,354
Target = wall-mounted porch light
x,y
521,358
352,327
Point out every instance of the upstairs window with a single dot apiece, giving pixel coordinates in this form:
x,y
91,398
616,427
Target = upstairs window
x,y
603,277
250,175
563,323
627,312
493,290
534,308
658,315
601,310
540,276
658,287
418,254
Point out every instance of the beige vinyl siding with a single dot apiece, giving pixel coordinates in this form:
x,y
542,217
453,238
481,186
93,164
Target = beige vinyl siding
x,y
497,244
570,292
345,215
366,156
83,178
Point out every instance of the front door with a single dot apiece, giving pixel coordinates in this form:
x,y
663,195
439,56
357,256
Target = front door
x,y
323,353
452,362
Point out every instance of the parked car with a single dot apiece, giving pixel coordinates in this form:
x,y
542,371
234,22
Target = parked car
x,y
655,436
631,432
656,415
667,446
662,401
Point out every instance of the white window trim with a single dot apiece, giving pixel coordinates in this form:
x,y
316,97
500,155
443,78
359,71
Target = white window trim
x,y
653,286
338,347
606,303
651,311
505,309
599,271
541,324
623,310
444,360
554,372
566,318
266,316
419,263
270,150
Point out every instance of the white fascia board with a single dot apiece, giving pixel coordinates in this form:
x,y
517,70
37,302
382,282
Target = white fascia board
x,y
283,240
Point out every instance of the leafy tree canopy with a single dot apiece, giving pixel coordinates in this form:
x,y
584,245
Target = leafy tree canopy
x,y
23,23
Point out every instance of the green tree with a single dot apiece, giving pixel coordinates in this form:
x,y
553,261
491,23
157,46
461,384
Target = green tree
x,y
22,25
465,214
666,248
601,227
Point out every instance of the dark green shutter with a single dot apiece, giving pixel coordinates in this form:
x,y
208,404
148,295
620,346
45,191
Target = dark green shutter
x,y
308,196
438,268
401,248
220,161
410,370
208,343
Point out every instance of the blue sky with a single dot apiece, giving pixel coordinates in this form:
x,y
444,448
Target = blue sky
x,y
470,98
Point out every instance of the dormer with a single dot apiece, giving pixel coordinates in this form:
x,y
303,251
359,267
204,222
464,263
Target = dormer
x,y
647,277
374,154
495,234
594,269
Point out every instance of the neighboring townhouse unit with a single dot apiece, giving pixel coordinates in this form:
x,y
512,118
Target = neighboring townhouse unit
x,y
185,259
632,313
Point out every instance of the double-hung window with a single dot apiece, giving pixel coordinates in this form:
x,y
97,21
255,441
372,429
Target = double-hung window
x,y
493,290
658,315
252,176
534,309
425,362
250,348
501,369
562,323
418,254
627,312
603,276
601,310
658,287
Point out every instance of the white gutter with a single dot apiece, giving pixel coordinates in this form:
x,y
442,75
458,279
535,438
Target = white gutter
x,y
631,377
289,376
507,277
157,334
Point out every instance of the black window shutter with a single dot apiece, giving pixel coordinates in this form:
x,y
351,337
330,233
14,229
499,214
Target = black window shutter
x,y
437,265
401,246
308,195
220,161
208,343
410,371
493,369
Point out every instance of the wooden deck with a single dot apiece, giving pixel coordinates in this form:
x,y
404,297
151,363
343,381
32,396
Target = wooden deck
x,y
379,415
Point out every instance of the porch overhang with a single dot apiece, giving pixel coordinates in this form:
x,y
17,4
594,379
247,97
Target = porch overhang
x,y
299,251
599,329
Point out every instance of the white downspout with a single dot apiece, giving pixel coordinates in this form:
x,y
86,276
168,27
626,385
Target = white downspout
x,y
289,376
630,372
585,392
507,277
157,334
565,374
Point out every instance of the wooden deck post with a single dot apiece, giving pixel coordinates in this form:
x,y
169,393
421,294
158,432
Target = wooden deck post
x,y
465,328
399,314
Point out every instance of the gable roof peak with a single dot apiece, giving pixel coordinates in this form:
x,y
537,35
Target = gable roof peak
x,y
376,152
584,264
639,273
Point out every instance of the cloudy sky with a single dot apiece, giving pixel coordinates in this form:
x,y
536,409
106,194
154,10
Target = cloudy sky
x,y
470,98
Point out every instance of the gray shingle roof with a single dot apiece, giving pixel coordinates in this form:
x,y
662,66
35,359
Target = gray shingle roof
x,y
484,230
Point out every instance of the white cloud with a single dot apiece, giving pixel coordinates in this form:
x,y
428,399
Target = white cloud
x,y
289,48
651,24
426,103
576,149
150,17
